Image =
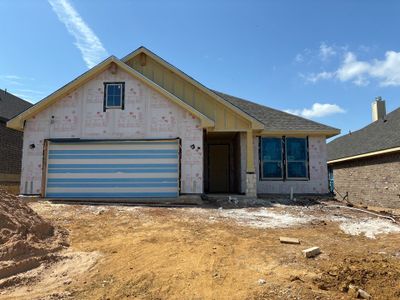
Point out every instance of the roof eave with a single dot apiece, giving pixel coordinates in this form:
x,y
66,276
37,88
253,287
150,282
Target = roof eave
x,y
327,133
17,122
364,155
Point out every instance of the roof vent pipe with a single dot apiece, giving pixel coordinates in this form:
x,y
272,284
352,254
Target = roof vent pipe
x,y
378,109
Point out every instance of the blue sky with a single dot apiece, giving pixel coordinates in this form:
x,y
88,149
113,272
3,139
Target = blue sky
x,y
325,60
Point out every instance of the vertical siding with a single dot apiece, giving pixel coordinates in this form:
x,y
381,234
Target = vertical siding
x,y
225,118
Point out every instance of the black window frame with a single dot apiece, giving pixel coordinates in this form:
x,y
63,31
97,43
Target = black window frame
x,y
306,160
284,160
262,161
122,106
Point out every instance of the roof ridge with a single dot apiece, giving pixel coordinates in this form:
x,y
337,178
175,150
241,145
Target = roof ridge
x,y
366,127
376,136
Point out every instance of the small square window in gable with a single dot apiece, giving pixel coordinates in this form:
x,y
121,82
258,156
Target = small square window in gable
x,y
114,95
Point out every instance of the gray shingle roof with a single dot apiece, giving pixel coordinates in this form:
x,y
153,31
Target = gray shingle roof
x,y
379,135
273,119
11,105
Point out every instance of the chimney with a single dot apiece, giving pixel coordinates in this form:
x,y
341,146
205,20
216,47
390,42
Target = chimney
x,y
378,109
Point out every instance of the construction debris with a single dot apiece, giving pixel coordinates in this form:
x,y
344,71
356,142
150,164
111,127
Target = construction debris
x,y
364,211
261,281
363,294
311,252
288,240
353,290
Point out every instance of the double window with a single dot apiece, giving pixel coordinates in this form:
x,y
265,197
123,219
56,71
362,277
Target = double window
x,y
114,94
284,158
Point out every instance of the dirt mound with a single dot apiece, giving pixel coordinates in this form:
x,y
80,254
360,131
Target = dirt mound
x,y
26,240
376,274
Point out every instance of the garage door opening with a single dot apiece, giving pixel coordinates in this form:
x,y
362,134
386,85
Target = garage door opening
x,y
112,169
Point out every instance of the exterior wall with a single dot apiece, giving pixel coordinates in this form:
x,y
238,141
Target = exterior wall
x,y
318,182
373,181
225,118
10,153
147,115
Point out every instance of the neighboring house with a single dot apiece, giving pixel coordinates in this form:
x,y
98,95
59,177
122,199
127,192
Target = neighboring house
x,y
139,127
366,163
10,139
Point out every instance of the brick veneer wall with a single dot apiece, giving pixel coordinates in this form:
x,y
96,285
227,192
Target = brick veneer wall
x,y
373,181
10,150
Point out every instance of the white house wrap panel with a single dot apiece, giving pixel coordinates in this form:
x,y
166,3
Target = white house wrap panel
x,y
147,115
126,169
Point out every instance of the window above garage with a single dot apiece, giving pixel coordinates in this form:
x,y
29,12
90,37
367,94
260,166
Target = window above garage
x,y
114,95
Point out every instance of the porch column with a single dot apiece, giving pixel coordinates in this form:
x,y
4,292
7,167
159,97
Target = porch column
x,y
251,177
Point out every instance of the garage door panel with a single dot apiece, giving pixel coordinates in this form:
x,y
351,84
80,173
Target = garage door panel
x,y
111,170
112,195
117,171
75,161
111,145
107,179
114,176
115,190
111,185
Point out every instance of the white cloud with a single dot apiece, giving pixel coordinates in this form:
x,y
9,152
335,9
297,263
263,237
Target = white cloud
x,y
325,51
317,110
86,41
386,71
299,58
13,79
352,69
314,77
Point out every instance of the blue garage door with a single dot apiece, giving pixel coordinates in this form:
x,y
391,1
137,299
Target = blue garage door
x,y
134,169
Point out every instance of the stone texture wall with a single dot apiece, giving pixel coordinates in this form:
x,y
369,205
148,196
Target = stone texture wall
x,y
373,181
318,182
147,115
10,152
251,185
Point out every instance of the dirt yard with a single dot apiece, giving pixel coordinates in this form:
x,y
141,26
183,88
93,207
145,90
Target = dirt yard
x,y
135,252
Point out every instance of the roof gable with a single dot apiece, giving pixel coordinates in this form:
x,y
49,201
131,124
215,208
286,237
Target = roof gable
x,y
138,60
377,136
17,122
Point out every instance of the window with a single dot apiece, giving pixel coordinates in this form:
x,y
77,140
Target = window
x,y
114,94
271,149
296,158
284,158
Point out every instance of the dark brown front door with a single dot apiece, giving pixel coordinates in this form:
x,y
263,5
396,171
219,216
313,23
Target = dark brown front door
x,y
218,166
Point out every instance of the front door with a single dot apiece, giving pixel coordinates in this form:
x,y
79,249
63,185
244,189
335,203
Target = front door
x,y
218,160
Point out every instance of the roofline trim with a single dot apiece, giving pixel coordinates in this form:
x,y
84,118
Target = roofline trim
x,y
256,124
18,121
391,150
327,133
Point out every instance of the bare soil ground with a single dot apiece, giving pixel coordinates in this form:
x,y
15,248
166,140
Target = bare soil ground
x,y
27,241
119,252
